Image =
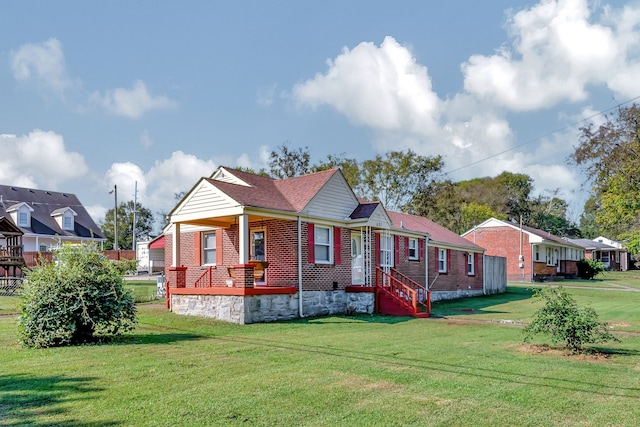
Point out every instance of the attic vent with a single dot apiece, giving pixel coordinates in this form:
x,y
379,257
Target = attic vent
x,y
31,191
48,192
14,188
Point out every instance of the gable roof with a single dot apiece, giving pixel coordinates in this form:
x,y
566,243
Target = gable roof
x,y
541,234
437,233
593,245
44,203
289,194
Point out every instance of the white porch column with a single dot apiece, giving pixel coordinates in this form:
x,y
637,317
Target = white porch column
x,y
175,261
243,222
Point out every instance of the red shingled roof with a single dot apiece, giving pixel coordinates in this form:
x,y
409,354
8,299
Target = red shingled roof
x,y
291,194
436,232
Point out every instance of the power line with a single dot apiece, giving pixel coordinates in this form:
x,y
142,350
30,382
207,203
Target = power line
x,y
542,136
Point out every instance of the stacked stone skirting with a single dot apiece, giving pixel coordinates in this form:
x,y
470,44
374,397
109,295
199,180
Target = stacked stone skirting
x,y
244,309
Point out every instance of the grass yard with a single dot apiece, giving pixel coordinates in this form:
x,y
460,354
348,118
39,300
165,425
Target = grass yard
x,y
364,370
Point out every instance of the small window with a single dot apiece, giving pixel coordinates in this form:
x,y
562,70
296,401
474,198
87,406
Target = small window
x,y
386,251
471,265
413,248
537,253
23,219
442,260
209,248
43,248
67,222
322,242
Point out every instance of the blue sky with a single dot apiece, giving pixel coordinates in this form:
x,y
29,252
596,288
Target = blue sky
x,y
162,92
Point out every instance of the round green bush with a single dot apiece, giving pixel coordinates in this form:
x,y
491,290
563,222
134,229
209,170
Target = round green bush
x,y
78,298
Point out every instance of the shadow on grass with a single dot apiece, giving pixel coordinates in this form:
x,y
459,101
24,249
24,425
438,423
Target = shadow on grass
x,y
615,351
479,305
156,338
32,400
358,318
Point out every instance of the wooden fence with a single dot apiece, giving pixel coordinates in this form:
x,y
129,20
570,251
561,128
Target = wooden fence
x,y
494,272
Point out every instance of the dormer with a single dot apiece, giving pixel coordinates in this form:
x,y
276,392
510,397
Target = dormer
x,y
65,218
21,214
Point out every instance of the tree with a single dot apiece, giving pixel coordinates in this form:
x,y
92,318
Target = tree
x,y
144,225
349,166
549,213
609,155
565,321
395,177
76,299
287,163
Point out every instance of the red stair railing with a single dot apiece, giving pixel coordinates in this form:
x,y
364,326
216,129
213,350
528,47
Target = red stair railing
x,y
404,290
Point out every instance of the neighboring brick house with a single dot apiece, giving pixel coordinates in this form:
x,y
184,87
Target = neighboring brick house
x,y
247,248
613,258
531,254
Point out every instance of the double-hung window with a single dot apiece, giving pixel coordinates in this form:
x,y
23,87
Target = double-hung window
x,y
209,248
67,222
442,260
23,219
322,244
413,249
386,251
471,265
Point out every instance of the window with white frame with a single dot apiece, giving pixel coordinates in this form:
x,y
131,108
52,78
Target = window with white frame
x,y
537,253
386,251
322,244
209,248
442,260
550,260
413,248
67,222
471,264
23,219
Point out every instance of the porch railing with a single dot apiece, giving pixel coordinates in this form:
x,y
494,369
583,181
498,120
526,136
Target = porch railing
x,y
405,290
205,280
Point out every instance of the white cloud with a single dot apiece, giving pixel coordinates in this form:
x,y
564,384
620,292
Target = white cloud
x,y
43,62
38,160
557,51
265,96
380,87
132,103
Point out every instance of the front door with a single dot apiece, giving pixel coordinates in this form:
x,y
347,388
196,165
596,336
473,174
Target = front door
x,y
258,249
357,261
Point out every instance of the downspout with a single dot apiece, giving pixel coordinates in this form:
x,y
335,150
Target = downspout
x,y
300,267
426,262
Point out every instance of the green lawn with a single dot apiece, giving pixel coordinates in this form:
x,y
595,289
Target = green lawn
x,y
364,370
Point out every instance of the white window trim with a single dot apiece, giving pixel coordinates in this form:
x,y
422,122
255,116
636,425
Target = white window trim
x,y
66,218
22,214
442,258
386,250
329,245
205,249
415,248
471,264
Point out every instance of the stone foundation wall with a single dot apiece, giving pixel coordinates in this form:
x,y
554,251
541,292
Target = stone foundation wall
x,y
273,307
447,295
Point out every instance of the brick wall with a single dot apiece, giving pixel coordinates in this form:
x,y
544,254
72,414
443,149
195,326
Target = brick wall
x,y
325,277
505,242
412,268
456,278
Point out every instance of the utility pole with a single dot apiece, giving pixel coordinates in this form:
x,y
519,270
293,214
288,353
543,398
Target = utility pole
x,y
115,217
134,245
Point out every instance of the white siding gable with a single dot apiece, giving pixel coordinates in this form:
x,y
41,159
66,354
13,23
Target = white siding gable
x,y
202,202
335,200
379,218
225,176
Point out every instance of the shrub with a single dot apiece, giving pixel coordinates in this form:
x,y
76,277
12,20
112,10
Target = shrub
x,y
589,268
561,318
77,298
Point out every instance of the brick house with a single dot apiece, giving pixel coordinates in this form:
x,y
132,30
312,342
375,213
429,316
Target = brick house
x,y
247,248
613,258
531,254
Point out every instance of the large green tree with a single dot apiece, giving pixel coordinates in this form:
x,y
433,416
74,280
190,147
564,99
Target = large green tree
x,y
395,177
144,225
286,162
609,155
